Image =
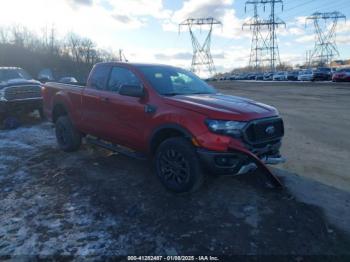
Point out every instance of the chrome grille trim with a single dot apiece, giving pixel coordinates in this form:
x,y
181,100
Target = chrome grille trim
x,y
22,92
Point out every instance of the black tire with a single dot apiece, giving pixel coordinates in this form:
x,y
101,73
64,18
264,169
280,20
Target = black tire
x,y
42,114
68,138
2,120
177,165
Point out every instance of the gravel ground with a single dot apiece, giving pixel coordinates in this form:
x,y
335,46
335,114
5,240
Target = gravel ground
x,y
94,204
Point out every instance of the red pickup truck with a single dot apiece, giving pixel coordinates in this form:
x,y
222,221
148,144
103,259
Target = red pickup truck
x,y
170,115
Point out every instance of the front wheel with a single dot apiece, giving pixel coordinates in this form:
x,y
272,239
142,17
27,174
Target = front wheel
x,y
177,165
68,138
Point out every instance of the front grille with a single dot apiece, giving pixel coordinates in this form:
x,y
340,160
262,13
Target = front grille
x,y
264,130
22,92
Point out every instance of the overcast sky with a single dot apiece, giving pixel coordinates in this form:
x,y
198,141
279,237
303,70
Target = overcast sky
x,y
147,30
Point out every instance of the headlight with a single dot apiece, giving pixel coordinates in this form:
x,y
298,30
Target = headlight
x,y
231,128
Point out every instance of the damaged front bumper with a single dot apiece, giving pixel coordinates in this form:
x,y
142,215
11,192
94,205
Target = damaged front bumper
x,y
239,162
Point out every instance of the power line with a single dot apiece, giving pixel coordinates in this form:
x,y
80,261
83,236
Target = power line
x,y
297,6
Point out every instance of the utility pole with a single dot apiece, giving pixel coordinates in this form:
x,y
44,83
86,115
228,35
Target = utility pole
x,y
202,58
325,48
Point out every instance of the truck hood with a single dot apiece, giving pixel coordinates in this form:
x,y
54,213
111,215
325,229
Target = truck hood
x,y
225,107
17,82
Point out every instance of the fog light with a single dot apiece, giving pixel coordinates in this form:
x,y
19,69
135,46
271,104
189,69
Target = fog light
x,y
225,161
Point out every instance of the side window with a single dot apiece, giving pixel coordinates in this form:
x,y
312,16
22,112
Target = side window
x,y
121,76
181,79
99,77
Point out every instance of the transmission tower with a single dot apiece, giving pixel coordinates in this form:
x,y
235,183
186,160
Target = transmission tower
x,y
271,24
121,56
258,49
201,52
325,48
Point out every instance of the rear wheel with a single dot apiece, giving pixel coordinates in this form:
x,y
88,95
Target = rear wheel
x,y
177,165
68,138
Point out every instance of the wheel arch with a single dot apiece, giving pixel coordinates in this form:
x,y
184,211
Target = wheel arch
x,y
58,110
167,131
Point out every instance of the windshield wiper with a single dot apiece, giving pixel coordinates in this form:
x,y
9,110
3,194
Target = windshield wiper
x,y
171,94
186,94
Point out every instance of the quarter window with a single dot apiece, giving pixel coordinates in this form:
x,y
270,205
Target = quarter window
x,y
99,77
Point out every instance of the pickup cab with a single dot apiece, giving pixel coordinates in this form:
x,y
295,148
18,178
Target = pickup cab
x,y
169,115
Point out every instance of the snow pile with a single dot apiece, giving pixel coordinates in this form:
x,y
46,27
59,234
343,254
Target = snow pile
x,y
22,143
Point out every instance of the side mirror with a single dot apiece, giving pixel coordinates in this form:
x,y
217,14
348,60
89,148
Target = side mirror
x,y
132,90
44,79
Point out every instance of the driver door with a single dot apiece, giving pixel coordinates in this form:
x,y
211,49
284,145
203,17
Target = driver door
x,y
125,115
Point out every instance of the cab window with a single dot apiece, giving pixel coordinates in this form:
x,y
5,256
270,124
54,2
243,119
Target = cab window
x,y
121,76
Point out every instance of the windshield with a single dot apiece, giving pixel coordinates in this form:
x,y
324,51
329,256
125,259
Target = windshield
x,y
343,70
8,74
324,69
175,81
306,72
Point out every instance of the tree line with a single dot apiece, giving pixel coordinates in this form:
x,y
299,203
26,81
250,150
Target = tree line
x,y
72,55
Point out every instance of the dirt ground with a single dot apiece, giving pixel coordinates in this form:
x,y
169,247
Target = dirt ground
x,y
94,204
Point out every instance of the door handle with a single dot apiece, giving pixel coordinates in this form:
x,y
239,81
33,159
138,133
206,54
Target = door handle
x,y
150,109
104,98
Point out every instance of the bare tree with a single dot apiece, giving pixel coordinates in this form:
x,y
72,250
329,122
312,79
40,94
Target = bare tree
x,y
4,35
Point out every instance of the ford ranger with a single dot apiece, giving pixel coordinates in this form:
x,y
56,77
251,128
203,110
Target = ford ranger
x,y
170,115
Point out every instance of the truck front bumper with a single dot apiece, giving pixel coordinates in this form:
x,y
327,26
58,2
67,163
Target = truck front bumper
x,y
239,162
26,105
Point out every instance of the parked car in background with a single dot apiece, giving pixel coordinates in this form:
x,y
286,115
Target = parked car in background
x,y
169,115
322,74
233,77
251,76
279,76
19,92
45,75
68,80
341,75
268,76
211,79
292,75
306,75
259,76
243,76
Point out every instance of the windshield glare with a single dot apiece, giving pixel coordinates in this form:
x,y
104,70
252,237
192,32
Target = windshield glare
x,y
8,74
175,81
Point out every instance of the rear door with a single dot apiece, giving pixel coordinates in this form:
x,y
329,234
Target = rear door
x,y
94,102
